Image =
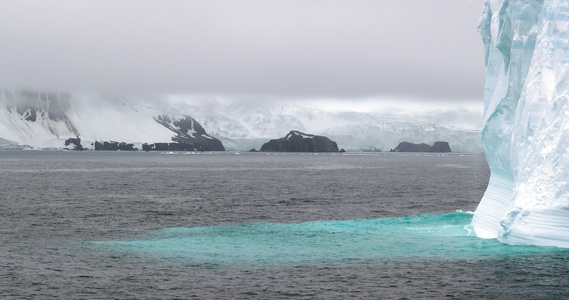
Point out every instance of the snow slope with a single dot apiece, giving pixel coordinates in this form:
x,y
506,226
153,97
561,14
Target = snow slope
x,y
240,125
243,125
46,120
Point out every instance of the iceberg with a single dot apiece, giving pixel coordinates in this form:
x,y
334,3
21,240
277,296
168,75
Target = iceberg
x,y
526,122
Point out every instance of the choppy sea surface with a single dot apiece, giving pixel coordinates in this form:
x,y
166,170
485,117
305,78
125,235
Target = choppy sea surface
x,y
120,225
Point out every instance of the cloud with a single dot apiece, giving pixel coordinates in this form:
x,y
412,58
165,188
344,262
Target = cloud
x,y
419,49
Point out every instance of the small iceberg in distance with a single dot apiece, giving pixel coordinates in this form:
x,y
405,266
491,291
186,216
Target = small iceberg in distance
x,y
440,236
526,114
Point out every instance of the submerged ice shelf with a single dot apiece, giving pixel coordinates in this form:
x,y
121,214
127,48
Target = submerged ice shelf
x,y
419,237
526,113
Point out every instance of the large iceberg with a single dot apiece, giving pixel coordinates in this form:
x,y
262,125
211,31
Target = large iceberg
x,y
526,114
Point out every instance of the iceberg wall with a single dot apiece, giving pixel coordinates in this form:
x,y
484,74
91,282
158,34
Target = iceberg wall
x,y
526,115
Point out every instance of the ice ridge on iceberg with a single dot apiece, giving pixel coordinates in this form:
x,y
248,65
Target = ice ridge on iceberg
x,y
526,113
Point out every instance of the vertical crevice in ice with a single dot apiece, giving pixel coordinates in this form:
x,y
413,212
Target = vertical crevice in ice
x,y
526,113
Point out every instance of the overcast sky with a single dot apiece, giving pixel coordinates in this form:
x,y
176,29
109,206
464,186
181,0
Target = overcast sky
x,y
413,49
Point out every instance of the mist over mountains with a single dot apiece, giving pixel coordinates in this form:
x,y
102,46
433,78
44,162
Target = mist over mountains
x,y
45,120
248,124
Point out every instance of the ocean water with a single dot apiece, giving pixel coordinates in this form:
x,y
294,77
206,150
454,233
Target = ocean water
x,y
118,225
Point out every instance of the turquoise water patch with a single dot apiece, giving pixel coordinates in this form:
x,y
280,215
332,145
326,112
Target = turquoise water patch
x,y
410,237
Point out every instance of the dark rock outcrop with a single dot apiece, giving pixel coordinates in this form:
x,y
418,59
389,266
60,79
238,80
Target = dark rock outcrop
x,y
76,142
190,136
296,141
174,147
410,147
441,147
114,146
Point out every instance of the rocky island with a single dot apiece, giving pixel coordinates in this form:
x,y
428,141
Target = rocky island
x,y
296,141
439,147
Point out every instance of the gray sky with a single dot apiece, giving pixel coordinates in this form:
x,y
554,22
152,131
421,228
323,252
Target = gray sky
x,y
416,49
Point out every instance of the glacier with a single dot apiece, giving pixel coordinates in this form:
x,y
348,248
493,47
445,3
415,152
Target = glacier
x,y
246,125
525,135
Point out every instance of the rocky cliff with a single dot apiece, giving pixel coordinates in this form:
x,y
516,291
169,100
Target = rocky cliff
x,y
190,135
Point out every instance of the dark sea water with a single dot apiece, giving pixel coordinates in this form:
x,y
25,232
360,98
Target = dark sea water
x,y
92,225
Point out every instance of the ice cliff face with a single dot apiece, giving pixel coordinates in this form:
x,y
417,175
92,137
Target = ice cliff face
x,y
526,131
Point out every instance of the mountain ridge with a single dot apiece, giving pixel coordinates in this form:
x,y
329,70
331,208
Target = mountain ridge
x,y
48,120
239,126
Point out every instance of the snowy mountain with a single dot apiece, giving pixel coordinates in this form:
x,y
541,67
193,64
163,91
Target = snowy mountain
x,y
190,133
244,126
45,120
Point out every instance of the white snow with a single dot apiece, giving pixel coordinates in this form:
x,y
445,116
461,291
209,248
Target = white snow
x,y
91,117
526,132
242,125
296,133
